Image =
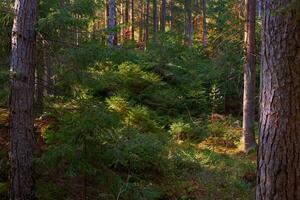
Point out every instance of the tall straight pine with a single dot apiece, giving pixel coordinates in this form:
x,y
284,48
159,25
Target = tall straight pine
x,y
249,78
23,61
278,168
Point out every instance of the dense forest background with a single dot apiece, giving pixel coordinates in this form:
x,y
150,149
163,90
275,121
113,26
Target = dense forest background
x,y
136,99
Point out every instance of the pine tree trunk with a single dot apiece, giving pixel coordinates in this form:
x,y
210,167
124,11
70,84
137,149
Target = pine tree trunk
x,y
171,14
155,22
22,99
278,168
127,19
163,16
249,142
146,33
132,20
204,24
189,22
141,13
111,23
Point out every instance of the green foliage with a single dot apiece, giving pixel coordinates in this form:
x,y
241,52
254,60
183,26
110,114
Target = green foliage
x,y
49,191
180,130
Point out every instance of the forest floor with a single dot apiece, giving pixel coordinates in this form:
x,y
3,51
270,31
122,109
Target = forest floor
x,y
213,170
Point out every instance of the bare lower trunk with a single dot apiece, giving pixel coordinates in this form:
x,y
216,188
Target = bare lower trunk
x,y
155,21
146,33
278,168
111,23
132,20
141,12
171,14
21,100
163,16
249,142
189,23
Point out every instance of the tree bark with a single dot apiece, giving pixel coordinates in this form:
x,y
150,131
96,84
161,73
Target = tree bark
x,y
155,21
146,33
132,20
189,23
22,99
249,142
204,42
111,23
127,19
141,13
163,16
278,168
171,14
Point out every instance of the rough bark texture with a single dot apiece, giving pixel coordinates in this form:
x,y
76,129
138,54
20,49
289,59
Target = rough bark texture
x,y
249,142
163,16
204,23
111,22
22,99
278,167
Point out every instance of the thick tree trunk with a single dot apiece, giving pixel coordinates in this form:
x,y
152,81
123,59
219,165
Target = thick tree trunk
x,y
249,142
278,168
111,23
204,42
155,21
163,16
22,99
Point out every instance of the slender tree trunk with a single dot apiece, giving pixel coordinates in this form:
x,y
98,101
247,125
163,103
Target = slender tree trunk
x,y
132,20
22,99
127,19
204,41
155,22
189,23
141,13
278,168
111,23
146,33
171,14
249,142
163,16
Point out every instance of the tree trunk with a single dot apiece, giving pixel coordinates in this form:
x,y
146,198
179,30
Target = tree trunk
x,y
163,16
249,142
171,14
141,13
155,22
189,23
204,23
127,19
278,168
111,23
146,33
132,20
22,99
